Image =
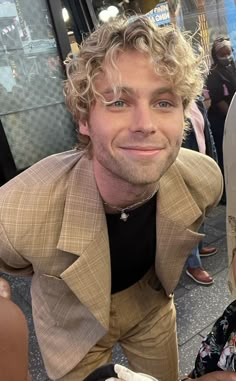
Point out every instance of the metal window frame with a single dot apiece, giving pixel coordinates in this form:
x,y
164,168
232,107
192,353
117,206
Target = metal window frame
x,y
63,44
83,13
8,168
92,12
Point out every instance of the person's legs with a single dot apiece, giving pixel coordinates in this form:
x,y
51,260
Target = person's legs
x,y
195,270
99,355
217,122
143,320
151,346
150,343
194,260
205,251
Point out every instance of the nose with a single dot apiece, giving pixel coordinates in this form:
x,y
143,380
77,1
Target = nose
x,y
143,121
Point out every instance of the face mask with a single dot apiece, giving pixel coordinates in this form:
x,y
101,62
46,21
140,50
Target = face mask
x,y
225,61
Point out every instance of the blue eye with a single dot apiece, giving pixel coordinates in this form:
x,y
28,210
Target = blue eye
x,y
164,104
118,104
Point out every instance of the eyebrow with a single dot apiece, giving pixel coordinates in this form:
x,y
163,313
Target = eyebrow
x,y
131,91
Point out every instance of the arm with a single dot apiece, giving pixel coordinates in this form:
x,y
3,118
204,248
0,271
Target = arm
x,y
13,338
218,376
11,261
216,92
13,342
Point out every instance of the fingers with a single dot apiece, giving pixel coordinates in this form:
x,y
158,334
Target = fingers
x,y
5,289
123,373
126,374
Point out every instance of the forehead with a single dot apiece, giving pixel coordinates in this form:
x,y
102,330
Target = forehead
x,y
131,69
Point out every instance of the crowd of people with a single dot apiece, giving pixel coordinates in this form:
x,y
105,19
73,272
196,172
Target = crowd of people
x,y
105,229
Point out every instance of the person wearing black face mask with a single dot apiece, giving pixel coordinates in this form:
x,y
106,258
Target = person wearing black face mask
x,y
221,84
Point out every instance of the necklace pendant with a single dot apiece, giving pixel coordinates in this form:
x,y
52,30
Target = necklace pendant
x,y
124,216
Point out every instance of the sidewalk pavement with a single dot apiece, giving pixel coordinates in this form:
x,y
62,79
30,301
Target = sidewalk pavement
x,y
197,306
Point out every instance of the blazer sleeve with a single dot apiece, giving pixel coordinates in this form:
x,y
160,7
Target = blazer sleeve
x,y
12,262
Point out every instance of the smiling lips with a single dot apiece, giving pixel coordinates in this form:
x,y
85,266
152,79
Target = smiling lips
x,y
142,151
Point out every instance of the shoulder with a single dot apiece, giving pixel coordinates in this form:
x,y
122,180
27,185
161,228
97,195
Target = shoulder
x,y
201,174
44,172
43,184
197,166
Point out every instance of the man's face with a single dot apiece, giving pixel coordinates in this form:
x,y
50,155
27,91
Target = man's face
x,y
137,137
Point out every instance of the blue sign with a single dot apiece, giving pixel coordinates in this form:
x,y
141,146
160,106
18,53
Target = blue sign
x,y
230,12
160,15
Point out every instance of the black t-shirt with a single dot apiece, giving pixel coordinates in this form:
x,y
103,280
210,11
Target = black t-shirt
x,y
132,245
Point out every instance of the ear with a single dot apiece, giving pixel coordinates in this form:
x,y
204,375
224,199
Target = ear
x,y
83,128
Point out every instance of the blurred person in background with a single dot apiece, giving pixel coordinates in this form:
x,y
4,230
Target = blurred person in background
x,y
221,84
199,138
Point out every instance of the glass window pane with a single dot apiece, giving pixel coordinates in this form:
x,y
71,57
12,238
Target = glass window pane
x,y
32,109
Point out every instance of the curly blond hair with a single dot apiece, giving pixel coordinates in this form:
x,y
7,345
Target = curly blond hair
x,y
171,52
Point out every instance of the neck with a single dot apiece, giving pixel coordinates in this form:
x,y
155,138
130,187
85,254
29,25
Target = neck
x,y
127,207
120,194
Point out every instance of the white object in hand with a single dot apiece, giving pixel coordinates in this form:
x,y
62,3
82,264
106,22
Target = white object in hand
x,y
128,375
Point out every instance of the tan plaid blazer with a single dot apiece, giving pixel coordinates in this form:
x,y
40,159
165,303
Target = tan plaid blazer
x,y
52,225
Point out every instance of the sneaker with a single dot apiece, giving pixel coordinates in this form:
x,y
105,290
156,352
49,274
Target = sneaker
x,y
200,276
207,251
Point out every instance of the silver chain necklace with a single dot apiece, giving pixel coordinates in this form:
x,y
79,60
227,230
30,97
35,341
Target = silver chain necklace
x,y
123,211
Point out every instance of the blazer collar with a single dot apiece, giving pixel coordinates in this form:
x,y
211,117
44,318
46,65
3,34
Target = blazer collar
x,y
84,216
84,233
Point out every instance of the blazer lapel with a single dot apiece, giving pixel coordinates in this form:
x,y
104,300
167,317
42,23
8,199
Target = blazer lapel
x,y
84,233
177,215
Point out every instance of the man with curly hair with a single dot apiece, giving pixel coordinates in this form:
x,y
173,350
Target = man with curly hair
x,y
105,229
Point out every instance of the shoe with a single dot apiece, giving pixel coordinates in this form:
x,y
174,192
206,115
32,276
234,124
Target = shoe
x,y
207,251
200,276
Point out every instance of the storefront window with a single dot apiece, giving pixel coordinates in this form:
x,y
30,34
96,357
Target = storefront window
x,y
32,111
105,9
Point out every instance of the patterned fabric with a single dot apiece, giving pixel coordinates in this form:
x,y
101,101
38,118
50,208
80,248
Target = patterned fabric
x,y
53,226
218,349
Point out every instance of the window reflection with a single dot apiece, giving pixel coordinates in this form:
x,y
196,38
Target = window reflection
x,y
106,9
28,57
32,109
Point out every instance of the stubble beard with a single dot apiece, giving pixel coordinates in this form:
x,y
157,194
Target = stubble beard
x,y
137,173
